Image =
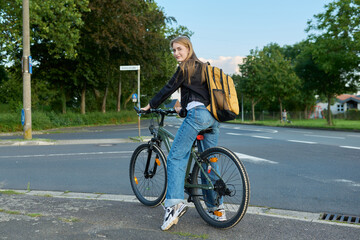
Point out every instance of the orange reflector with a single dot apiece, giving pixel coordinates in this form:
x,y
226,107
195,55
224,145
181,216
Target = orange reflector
x,y
218,213
157,161
136,181
213,159
200,137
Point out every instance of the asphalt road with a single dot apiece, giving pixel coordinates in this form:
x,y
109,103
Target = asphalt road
x,y
295,169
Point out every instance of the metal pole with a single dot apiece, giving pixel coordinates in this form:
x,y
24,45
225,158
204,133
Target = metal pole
x,y
26,71
242,107
132,68
139,101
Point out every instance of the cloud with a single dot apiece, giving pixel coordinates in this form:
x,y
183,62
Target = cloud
x,y
228,64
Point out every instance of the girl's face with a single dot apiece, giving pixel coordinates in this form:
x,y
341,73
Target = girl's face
x,y
180,51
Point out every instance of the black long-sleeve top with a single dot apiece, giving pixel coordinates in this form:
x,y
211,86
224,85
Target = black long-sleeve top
x,y
196,91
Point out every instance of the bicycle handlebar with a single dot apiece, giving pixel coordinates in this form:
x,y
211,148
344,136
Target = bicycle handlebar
x,y
156,110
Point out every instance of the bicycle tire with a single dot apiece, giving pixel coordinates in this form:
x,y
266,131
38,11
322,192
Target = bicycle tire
x,y
234,175
150,191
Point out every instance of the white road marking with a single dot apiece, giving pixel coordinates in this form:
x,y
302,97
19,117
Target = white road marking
x,y
236,134
353,136
256,136
248,158
65,154
296,131
297,141
230,126
351,147
349,182
310,135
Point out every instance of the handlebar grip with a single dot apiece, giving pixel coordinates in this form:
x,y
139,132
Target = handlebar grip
x,y
140,111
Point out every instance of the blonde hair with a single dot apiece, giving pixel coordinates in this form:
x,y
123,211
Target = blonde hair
x,y
187,67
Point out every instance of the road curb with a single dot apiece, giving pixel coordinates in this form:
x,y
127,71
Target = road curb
x,y
47,142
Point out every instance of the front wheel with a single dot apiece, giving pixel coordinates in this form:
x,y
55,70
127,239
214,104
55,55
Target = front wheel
x,y
226,204
148,174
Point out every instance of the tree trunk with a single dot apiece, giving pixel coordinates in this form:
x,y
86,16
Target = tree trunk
x,y
63,100
119,97
253,104
82,107
127,100
253,109
329,120
281,119
103,106
97,94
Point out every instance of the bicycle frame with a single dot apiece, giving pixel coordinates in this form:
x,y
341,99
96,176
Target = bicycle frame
x,y
165,136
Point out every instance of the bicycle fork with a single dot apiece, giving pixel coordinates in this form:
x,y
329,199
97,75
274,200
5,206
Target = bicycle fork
x,y
150,173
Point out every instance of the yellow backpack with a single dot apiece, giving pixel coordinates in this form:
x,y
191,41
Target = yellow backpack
x,y
224,104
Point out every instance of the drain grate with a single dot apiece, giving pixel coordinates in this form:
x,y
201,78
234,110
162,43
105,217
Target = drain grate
x,y
340,218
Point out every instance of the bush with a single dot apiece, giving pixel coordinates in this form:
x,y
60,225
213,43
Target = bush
x,y
10,122
352,114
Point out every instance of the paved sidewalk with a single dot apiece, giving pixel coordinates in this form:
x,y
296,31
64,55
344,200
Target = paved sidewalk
x,y
44,142
58,215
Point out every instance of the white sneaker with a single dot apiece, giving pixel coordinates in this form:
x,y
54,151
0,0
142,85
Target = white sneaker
x,y
217,214
172,215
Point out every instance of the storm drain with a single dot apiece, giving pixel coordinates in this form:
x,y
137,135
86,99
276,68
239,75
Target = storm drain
x,y
340,218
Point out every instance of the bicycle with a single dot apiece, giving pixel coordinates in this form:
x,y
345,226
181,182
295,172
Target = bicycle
x,y
217,172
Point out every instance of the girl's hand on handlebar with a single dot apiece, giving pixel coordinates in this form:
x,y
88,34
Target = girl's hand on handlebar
x,y
147,108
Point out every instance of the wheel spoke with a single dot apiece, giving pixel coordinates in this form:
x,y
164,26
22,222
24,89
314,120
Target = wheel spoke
x,y
150,188
232,177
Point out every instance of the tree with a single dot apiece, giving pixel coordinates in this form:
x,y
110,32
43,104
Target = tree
x,y
3,79
280,80
299,57
336,48
55,33
52,23
82,54
250,81
123,33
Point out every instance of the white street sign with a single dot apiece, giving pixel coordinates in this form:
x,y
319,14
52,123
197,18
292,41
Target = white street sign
x,y
130,68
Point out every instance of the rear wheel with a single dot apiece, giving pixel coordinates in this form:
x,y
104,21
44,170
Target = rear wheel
x,y
226,205
148,174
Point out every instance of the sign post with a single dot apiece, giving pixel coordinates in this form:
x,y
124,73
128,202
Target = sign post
x,y
26,72
134,68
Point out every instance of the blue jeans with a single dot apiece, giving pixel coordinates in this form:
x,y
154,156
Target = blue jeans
x,y
197,119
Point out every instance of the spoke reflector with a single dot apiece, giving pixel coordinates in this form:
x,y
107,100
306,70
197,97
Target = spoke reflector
x,y
218,213
136,181
157,161
213,159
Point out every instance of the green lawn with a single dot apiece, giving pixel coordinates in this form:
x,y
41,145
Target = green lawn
x,y
339,124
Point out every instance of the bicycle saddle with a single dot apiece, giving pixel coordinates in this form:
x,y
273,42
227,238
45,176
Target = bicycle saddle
x,y
207,130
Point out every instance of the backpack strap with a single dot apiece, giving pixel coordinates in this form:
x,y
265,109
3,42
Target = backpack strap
x,y
221,79
207,76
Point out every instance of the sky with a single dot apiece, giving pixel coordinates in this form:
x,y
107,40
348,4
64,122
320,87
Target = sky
x,y
225,31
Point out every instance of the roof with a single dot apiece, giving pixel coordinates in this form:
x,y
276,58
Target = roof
x,y
343,98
